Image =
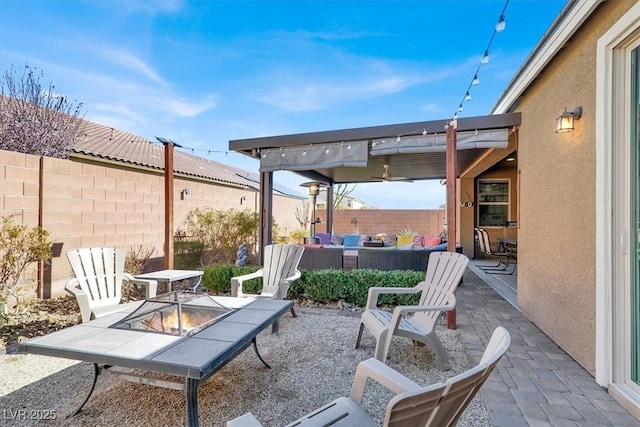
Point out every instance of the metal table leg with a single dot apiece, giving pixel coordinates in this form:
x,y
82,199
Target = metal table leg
x,y
255,348
96,372
192,402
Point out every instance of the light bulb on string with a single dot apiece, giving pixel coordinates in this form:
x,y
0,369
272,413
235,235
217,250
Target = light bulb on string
x,y
467,97
460,108
485,57
501,25
475,81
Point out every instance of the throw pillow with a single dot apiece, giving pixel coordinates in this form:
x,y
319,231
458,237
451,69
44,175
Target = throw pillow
x,y
337,239
417,242
325,238
389,240
431,241
351,240
404,240
363,238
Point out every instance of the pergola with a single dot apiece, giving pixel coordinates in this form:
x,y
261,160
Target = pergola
x,y
438,149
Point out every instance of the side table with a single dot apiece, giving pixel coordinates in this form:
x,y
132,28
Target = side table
x,y
350,259
170,276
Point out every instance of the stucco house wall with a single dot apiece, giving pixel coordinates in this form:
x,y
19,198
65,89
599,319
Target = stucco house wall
x,y
93,204
556,238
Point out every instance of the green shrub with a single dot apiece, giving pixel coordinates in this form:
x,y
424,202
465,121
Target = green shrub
x,y
218,278
353,286
221,232
187,254
323,285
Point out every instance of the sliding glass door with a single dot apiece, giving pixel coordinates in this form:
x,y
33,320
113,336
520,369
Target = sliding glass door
x,y
634,238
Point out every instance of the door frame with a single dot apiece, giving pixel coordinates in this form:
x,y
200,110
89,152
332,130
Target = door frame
x,y
613,127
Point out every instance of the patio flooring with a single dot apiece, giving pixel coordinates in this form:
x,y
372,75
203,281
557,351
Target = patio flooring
x,y
536,383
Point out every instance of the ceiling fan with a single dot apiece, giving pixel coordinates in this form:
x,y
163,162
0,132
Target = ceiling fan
x,y
386,176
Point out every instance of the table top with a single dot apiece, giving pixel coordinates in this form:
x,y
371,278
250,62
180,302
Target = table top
x,y
170,275
193,356
508,241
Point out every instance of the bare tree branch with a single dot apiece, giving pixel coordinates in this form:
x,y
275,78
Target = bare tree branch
x,y
35,120
340,192
302,215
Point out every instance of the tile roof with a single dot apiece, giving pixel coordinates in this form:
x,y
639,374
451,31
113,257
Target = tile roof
x,y
114,144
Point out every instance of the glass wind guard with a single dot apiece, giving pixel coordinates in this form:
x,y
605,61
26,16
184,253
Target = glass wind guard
x,y
176,313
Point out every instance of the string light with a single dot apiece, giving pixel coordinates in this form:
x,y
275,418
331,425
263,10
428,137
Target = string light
x,y
499,27
485,57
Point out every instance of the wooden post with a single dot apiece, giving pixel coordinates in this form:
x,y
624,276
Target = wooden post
x,y
168,204
452,176
41,291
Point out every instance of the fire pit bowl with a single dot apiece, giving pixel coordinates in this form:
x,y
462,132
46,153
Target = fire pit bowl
x,y
178,313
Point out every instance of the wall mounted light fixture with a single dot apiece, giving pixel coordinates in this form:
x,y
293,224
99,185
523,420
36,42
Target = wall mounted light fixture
x,y
565,122
184,192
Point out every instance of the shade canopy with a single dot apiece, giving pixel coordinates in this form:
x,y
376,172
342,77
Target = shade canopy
x,y
412,150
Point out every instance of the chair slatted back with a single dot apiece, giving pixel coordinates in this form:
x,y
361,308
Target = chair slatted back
x,y
443,404
100,272
487,244
280,262
480,240
444,272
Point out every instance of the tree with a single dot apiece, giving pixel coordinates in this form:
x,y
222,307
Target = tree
x,y
340,192
19,247
302,215
33,119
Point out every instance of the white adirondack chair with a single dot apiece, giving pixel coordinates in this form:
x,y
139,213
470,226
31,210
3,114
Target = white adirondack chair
x,y
439,404
280,268
416,322
97,285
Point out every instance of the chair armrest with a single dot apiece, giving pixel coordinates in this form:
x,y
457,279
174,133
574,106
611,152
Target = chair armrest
x,y
374,291
401,310
295,276
283,288
246,420
405,309
236,282
151,286
82,298
381,373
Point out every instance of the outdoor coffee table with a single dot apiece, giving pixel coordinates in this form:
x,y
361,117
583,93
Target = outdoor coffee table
x,y
170,276
195,357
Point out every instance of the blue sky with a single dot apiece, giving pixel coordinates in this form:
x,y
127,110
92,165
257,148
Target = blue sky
x,y
202,73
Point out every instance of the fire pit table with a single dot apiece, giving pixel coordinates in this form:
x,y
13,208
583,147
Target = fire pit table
x,y
184,334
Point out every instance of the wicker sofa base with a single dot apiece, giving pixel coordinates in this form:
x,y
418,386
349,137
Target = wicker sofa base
x,y
386,260
321,259
373,258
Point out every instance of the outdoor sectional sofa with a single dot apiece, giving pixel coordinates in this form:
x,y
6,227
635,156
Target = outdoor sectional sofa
x,y
396,259
320,257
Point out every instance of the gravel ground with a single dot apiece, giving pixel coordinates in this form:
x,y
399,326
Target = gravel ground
x,y
313,362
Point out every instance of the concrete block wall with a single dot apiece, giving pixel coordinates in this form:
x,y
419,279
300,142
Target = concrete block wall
x,y
390,221
94,204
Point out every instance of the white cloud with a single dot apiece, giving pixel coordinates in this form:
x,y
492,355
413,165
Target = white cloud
x,y
316,95
132,62
186,108
150,7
